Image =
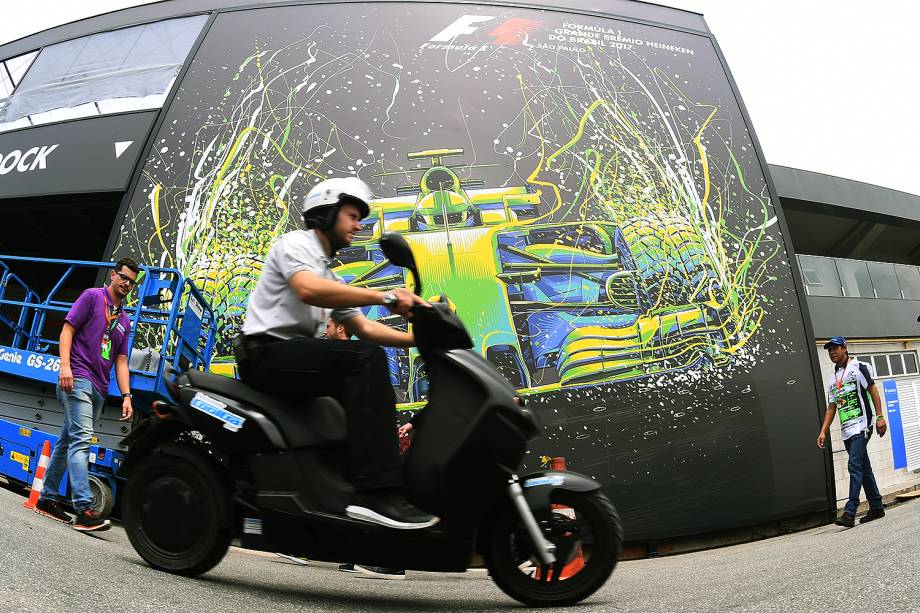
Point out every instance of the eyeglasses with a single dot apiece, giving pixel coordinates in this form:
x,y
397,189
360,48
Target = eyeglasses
x,y
124,277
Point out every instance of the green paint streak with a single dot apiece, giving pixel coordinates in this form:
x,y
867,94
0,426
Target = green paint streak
x,y
578,134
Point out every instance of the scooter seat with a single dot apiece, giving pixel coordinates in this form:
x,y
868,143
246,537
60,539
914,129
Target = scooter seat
x,y
309,422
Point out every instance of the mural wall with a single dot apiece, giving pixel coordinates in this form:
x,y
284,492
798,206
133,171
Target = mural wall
x,y
584,189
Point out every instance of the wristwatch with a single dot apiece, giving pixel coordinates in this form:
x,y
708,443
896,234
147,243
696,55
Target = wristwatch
x,y
127,395
389,299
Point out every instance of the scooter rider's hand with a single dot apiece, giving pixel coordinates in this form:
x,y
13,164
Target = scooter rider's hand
x,y
405,300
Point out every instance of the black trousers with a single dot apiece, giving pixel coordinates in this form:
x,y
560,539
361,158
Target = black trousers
x,y
355,373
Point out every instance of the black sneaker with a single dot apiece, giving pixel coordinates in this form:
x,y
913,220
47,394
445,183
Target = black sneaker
x,y
872,514
846,520
347,568
389,508
53,509
88,520
380,572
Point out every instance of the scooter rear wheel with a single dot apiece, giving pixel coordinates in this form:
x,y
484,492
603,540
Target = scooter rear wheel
x,y
177,512
588,536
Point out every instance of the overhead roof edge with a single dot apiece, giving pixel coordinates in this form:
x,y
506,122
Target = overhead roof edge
x,y
826,189
165,9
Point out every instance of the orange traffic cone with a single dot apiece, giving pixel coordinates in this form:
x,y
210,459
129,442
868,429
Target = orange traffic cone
x,y
578,562
38,483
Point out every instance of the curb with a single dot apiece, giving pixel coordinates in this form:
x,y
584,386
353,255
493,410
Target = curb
x,y
891,498
701,542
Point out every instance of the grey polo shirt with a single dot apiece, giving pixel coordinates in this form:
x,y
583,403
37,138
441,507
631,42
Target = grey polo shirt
x,y
274,308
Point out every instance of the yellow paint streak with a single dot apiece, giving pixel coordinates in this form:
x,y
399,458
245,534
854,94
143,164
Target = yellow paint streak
x,y
155,213
578,134
697,140
533,176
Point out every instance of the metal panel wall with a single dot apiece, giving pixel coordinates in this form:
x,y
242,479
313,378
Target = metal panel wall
x,y
657,330
89,155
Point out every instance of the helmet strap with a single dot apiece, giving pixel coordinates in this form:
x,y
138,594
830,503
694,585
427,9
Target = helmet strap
x,y
324,221
322,218
328,220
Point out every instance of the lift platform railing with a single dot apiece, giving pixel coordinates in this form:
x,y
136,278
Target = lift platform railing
x,y
172,325
20,325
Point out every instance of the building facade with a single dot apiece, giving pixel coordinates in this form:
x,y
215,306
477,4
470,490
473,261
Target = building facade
x,y
858,248
581,179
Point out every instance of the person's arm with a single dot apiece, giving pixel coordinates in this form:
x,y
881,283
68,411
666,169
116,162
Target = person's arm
x,y
828,418
65,375
123,377
880,424
77,317
414,422
314,290
376,332
869,384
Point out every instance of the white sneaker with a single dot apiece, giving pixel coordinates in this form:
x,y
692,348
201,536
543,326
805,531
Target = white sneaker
x,y
380,572
389,509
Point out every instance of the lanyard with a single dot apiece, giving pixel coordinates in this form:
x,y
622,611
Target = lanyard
x,y
843,373
110,319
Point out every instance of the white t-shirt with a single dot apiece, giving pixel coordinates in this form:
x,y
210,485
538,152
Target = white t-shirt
x,y
848,388
274,308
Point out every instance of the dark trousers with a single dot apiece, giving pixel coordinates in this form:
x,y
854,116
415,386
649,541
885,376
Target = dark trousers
x,y
353,372
861,475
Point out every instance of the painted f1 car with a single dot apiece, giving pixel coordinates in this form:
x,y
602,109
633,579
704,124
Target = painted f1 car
x,y
551,304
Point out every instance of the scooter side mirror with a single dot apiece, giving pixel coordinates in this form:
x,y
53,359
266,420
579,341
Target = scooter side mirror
x,y
398,252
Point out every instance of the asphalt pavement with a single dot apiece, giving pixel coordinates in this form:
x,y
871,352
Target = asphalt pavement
x,y
48,566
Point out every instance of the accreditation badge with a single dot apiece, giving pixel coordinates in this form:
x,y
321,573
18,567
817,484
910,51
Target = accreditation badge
x,y
106,347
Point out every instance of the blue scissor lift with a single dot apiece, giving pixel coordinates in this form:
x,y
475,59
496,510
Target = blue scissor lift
x,y
172,330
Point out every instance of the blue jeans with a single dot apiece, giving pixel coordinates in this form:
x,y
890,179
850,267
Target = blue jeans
x,y
82,407
861,476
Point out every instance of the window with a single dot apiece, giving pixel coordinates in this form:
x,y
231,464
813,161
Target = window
x,y
18,66
819,275
110,72
824,276
908,281
881,365
854,275
11,73
891,364
884,280
897,364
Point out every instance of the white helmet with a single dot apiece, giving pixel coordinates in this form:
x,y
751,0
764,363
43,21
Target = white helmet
x,y
332,193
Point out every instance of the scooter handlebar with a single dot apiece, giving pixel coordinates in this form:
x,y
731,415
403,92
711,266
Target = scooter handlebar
x,y
438,327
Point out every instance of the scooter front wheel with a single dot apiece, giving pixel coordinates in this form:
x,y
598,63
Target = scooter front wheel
x,y
177,512
588,536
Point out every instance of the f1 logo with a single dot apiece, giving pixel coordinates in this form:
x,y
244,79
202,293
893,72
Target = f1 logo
x,y
513,31
462,25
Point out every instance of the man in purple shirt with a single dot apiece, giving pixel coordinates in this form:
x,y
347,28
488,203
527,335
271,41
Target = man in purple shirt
x,y
95,335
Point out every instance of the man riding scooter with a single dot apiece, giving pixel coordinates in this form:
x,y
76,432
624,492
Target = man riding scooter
x,y
221,460
282,350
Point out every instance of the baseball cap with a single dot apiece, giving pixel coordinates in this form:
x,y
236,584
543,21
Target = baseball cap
x,y
835,340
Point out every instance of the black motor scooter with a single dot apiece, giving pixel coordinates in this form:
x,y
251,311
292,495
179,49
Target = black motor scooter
x,y
225,461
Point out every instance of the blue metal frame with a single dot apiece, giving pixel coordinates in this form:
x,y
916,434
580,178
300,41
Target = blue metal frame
x,y
165,299
19,326
20,452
